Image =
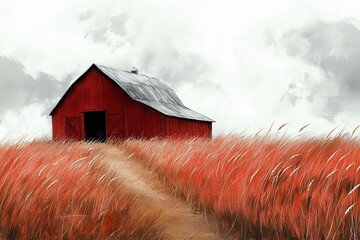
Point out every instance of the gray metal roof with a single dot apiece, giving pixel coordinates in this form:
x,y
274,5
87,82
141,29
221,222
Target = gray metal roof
x,y
151,92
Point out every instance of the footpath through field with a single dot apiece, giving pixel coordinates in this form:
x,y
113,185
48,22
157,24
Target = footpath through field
x,y
177,218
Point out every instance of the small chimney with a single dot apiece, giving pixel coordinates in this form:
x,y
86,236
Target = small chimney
x,y
134,70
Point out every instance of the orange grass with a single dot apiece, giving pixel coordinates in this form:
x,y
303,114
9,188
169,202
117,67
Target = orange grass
x,y
61,191
263,187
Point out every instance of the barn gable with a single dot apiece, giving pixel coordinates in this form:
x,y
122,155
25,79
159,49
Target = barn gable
x,y
150,92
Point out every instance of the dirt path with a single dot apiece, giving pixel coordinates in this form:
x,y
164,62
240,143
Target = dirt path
x,y
176,216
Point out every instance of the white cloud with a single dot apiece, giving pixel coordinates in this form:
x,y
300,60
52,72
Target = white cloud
x,y
27,123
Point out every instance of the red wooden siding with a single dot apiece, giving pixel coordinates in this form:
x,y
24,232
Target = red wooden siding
x,y
125,117
179,127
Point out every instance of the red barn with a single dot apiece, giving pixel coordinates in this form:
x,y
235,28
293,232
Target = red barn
x,y
106,103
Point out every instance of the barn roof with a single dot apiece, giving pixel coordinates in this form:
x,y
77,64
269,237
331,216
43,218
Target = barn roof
x,y
151,92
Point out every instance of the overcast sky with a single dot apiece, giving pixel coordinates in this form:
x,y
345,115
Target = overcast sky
x,y
245,64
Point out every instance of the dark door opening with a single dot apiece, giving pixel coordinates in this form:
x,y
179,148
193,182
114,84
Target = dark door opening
x,y
95,127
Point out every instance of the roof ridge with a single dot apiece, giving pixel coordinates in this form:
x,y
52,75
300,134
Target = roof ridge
x,y
117,69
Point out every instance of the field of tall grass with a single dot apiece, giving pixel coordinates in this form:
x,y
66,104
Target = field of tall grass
x,y
52,190
256,187
265,187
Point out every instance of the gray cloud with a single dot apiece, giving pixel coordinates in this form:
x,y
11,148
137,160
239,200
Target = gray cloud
x,y
100,29
117,24
18,89
334,48
97,35
185,68
173,66
13,85
86,15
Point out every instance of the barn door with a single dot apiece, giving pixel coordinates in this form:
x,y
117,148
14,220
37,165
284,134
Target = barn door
x,y
73,128
115,126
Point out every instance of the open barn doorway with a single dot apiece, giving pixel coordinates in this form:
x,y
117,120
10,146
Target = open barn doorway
x,y
95,127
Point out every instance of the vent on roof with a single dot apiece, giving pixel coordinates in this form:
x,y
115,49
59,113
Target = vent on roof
x,y
134,70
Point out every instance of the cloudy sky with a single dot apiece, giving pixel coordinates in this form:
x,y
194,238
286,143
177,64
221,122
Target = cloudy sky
x,y
246,64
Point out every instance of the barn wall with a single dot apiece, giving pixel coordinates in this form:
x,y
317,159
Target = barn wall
x,y
94,92
179,127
